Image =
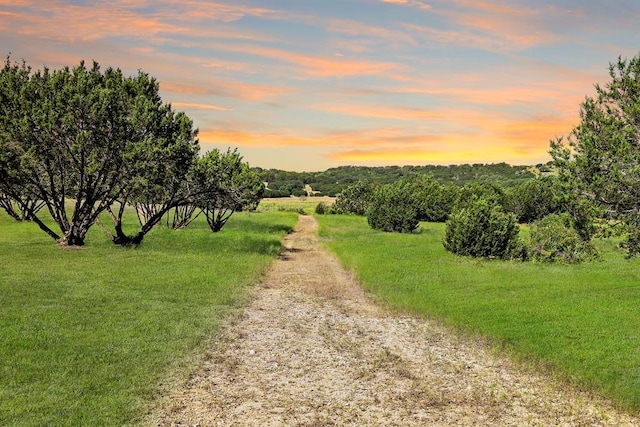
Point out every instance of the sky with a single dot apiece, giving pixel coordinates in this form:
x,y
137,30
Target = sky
x,y
306,85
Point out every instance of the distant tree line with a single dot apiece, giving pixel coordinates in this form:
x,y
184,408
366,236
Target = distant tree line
x,y
333,181
79,143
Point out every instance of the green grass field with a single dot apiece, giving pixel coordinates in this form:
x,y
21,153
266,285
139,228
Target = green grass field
x,y
579,322
88,335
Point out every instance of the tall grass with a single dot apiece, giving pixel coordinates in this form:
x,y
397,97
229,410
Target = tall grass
x,y
87,335
581,322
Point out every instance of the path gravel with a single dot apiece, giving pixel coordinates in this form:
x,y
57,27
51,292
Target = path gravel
x,y
312,350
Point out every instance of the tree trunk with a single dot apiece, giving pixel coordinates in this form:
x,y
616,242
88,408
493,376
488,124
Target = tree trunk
x,y
123,240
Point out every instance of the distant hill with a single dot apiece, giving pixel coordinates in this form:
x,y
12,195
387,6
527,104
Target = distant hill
x,y
333,181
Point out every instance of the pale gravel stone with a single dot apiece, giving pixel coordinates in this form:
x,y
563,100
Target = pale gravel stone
x,y
312,350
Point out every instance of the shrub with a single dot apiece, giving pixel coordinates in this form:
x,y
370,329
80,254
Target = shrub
x,y
322,208
489,191
554,238
354,199
435,200
393,208
632,242
481,229
534,199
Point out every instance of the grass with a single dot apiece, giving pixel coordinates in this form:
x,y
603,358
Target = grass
x,y
579,322
301,205
88,335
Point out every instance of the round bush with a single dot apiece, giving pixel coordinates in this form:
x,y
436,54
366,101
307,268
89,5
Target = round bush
x,y
555,239
354,199
322,208
481,229
393,208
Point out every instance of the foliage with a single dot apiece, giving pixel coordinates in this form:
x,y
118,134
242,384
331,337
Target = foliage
x,y
224,185
393,207
534,199
163,161
354,199
482,229
85,135
554,239
600,160
631,243
435,200
335,180
561,319
322,208
489,191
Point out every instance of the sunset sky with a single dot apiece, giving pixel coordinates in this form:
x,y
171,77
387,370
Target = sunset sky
x,y
312,84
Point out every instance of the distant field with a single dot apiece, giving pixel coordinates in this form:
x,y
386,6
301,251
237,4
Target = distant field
x,y
306,204
580,322
87,335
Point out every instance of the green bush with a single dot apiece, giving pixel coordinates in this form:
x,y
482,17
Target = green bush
x,y
322,208
354,199
631,243
481,229
435,200
555,239
534,199
393,208
492,192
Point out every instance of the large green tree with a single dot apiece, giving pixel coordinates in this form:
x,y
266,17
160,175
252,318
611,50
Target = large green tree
x,y
601,157
80,139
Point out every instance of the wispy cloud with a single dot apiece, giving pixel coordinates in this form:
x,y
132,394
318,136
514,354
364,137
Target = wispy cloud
x,y
413,3
197,106
315,65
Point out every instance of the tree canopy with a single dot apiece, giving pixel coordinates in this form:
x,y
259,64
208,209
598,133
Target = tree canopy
x,y
601,157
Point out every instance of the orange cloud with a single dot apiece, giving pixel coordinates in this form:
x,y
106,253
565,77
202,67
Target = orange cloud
x,y
257,139
229,89
197,106
398,113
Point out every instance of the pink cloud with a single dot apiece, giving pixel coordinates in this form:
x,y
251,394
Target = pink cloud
x,y
318,66
413,3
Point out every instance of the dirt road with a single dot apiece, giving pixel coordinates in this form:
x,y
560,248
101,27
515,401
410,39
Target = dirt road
x,y
312,350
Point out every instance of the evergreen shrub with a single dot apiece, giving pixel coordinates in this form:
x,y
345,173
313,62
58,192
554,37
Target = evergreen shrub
x,y
393,207
554,238
482,229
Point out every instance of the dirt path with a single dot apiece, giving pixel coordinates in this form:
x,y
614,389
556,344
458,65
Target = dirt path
x,y
312,350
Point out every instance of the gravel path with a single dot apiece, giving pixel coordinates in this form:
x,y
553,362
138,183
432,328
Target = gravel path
x,y
312,350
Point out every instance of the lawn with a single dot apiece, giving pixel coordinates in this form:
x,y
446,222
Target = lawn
x,y
578,322
88,335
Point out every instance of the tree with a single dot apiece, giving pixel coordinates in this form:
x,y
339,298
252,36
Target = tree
x,y
78,140
223,184
163,162
600,160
